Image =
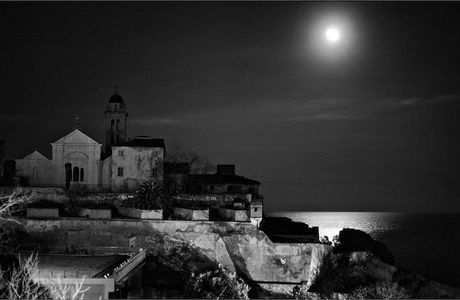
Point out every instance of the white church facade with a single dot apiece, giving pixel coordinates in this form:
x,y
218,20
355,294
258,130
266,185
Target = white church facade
x,y
77,159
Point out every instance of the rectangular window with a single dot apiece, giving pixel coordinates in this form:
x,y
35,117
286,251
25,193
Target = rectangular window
x,y
255,208
121,153
120,172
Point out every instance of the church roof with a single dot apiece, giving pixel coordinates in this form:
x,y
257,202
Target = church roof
x,y
76,137
116,99
36,156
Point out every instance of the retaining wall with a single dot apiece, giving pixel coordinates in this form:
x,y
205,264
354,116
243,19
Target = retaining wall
x,y
238,246
141,213
191,214
233,214
95,213
42,213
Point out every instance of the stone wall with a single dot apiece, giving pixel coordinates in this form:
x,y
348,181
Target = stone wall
x,y
56,194
233,214
95,213
191,214
42,213
141,213
217,199
238,246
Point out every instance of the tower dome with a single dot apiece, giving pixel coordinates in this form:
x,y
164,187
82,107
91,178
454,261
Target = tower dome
x,y
116,98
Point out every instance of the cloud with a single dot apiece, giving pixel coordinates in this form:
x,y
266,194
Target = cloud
x,y
170,119
155,121
297,110
346,109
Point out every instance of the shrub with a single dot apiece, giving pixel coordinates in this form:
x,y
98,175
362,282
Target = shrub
x,y
351,240
45,204
325,240
197,205
329,275
11,239
217,284
202,277
92,205
380,290
77,190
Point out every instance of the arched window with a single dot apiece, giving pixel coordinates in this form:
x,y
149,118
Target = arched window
x,y
82,174
76,172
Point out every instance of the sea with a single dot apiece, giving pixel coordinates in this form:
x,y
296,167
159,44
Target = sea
x,y
426,243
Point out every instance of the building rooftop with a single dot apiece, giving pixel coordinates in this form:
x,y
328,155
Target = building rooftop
x,y
77,266
144,141
223,179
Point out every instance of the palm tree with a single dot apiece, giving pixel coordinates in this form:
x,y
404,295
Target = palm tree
x,y
152,195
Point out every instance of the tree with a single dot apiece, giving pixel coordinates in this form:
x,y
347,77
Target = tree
x,y
19,282
13,203
17,276
12,232
178,153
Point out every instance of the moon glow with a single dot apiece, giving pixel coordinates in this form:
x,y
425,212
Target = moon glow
x,y
329,37
332,34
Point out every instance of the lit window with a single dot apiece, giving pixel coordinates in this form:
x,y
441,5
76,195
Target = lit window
x,y
120,172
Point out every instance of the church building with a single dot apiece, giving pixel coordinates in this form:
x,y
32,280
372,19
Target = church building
x,y
77,159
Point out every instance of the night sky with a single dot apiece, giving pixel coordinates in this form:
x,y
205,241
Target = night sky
x,y
370,123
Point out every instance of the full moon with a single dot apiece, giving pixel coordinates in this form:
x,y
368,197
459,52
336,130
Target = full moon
x,y
332,34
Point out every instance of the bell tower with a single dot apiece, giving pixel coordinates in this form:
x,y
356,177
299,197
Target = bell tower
x,y
116,117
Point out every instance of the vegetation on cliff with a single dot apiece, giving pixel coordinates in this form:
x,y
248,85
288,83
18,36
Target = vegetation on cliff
x,y
352,240
361,268
202,277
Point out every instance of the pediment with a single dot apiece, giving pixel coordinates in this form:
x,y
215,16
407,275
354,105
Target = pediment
x,y
76,137
76,155
35,156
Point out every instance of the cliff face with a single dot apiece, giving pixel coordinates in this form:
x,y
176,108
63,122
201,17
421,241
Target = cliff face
x,y
240,247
